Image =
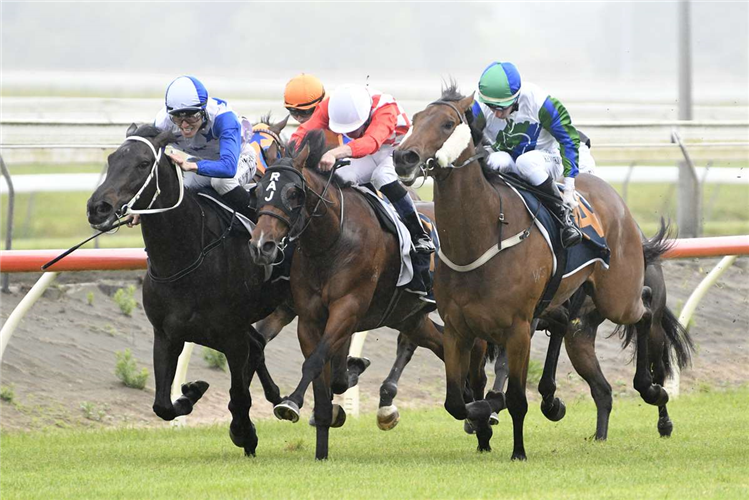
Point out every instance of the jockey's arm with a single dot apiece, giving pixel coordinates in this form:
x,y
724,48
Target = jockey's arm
x,y
229,134
556,120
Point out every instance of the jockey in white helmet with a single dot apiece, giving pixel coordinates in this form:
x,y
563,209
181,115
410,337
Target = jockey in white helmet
x,y
375,124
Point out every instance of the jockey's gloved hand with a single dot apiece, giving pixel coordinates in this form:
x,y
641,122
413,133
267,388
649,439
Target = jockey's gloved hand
x,y
496,160
568,197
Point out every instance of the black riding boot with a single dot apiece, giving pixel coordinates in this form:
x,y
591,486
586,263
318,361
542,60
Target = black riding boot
x,y
571,235
405,207
240,200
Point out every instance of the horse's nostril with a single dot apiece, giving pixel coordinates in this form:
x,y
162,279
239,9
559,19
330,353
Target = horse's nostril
x,y
268,247
411,157
103,208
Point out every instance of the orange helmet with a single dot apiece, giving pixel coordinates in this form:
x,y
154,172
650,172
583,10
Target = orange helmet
x,y
303,92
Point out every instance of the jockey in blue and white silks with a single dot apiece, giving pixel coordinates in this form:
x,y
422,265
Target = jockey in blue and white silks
x,y
531,134
207,128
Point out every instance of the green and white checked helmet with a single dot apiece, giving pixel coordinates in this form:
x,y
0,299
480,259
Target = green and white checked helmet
x,y
499,85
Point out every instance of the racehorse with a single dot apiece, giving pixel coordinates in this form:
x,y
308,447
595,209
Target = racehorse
x,y
343,275
201,284
668,343
496,301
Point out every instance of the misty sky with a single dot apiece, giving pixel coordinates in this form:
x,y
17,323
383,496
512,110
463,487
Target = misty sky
x,y
575,41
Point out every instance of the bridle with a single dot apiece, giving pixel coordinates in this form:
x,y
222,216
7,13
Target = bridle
x,y
292,215
127,208
432,163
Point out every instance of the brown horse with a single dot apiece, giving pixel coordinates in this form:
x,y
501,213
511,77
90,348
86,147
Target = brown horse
x,y
343,276
496,301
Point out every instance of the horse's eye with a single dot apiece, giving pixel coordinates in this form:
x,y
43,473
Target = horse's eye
x,y
448,125
144,164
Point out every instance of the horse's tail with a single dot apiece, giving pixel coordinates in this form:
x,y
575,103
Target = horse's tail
x,y
680,345
659,244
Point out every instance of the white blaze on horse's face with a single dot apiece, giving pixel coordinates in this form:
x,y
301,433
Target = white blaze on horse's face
x,y
274,176
454,145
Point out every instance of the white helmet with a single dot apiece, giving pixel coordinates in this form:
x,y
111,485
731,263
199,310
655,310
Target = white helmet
x,y
349,108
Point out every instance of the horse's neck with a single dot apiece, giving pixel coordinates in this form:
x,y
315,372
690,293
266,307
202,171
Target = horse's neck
x,y
466,206
322,231
173,237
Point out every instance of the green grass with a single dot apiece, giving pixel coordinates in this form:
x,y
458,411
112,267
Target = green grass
x,y
426,456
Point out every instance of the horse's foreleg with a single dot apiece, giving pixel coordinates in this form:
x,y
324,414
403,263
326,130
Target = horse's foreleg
x,y
500,370
240,359
317,350
271,325
580,342
518,355
552,407
323,413
165,357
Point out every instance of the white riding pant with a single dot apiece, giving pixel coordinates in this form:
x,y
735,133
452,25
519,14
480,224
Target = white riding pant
x,y
538,165
377,168
246,167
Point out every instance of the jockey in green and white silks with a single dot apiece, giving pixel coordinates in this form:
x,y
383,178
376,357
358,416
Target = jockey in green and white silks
x,y
531,134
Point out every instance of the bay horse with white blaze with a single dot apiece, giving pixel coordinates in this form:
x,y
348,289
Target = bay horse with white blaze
x,y
201,285
496,301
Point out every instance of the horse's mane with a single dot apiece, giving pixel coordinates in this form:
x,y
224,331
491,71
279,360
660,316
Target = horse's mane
x,y
265,119
450,91
147,130
317,143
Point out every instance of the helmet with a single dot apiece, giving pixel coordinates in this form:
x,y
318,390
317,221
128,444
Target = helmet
x,y
349,108
303,92
499,85
186,95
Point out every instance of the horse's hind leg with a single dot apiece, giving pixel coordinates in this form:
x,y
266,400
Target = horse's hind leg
x,y
387,413
580,342
552,407
659,355
643,382
165,357
418,332
242,363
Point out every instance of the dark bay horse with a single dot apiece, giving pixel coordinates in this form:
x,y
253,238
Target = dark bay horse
x,y
201,284
343,276
496,301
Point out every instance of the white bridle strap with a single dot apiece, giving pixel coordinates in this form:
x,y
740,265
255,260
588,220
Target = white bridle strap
x,y
128,207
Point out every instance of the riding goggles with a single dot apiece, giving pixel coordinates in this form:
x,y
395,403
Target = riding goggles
x,y
191,118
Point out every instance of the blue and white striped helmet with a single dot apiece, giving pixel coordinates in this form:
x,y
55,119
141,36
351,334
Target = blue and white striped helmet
x,y
186,95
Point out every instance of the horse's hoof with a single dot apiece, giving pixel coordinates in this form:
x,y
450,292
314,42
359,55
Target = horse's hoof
x,y
358,364
195,390
554,411
387,417
287,410
468,427
665,428
519,456
493,419
339,416
484,449
479,410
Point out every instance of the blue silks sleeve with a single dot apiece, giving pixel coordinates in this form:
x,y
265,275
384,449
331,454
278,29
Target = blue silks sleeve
x,y
229,134
556,120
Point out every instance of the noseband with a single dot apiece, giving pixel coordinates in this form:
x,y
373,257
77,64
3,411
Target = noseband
x,y
292,215
127,208
439,160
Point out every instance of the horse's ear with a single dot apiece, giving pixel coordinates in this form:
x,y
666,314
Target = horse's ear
x,y
301,157
279,126
131,130
163,139
466,103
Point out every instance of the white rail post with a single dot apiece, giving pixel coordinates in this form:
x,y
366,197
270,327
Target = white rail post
x,y
672,383
351,396
179,379
22,308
